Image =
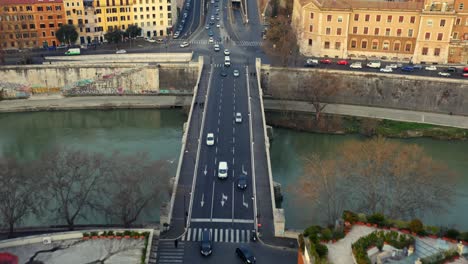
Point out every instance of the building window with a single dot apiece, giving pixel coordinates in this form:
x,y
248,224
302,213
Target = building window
x,y
455,35
328,31
398,32
457,22
460,6
387,32
354,30
442,23
356,17
337,45
376,31
436,51
440,36
375,44
410,32
389,19
364,44
340,19
429,22
366,30
311,15
408,47
385,45
367,18
311,28
310,42
329,18
327,45
338,31
412,19
401,19
396,46
353,44
377,18
424,51
427,36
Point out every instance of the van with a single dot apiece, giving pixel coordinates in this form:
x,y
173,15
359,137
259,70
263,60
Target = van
x,y
227,61
74,51
374,64
222,170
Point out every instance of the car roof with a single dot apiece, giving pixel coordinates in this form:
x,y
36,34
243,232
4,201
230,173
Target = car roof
x,y
246,251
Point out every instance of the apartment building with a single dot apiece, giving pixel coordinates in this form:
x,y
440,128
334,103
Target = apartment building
x,y
82,15
30,23
458,48
154,16
405,30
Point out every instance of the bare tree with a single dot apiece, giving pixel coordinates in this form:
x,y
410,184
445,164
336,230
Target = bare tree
x,y
134,182
74,179
380,176
318,88
322,182
281,40
20,195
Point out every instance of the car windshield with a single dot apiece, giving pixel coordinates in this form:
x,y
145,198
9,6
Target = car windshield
x,y
222,171
247,253
242,179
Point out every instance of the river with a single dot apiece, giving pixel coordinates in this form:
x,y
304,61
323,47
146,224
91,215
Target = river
x,y
159,133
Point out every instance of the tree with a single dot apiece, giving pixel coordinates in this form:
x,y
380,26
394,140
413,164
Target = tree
x,y
134,181
133,31
67,34
114,36
74,181
379,176
20,194
317,88
281,40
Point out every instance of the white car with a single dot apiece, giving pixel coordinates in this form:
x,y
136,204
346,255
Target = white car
x,y
216,47
235,73
122,51
211,40
176,35
227,52
386,69
210,140
356,65
393,66
238,117
150,40
217,25
184,44
431,68
445,74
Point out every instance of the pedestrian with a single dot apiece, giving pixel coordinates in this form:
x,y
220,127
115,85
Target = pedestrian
x,y
176,243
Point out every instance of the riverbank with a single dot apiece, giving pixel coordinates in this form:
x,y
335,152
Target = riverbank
x,y
340,124
60,103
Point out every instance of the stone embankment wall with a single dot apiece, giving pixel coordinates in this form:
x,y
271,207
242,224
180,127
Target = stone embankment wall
x,y
172,76
417,93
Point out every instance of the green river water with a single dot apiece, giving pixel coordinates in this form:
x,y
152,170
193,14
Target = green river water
x,y
159,133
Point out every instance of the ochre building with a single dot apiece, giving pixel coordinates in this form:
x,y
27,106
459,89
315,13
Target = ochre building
x,y
416,31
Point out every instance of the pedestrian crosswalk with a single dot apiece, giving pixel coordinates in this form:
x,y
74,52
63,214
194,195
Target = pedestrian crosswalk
x,y
219,235
241,43
167,252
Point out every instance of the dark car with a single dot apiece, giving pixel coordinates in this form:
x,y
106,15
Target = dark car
x,y
407,68
206,246
417,66
246,255
311,63
451,69
210,33
223,73
242,182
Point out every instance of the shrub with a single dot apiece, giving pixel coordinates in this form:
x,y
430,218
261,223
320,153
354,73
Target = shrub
x,y
110,233
312,232
350,217
119,234
400,224
321,250
338,234
326,234
94,233
127,233
463,236
432,230
376,218
379,244
452,233
85,234
104,233
362,218
416,226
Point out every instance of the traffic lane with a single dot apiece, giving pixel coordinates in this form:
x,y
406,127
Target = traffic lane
x,y
226,253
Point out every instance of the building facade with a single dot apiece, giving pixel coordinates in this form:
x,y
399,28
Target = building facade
x,y
458,49
30,23
154,17
413,31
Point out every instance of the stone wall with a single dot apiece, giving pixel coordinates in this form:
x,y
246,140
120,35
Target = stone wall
x,y
178,77
370,89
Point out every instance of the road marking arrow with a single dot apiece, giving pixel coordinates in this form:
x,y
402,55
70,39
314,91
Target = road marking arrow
x,y
205,171
223,199
244,203
202,200
243,171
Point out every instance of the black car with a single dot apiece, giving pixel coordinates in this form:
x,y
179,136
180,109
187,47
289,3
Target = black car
x,y
223,73
451,69
206,246
246,255
242,182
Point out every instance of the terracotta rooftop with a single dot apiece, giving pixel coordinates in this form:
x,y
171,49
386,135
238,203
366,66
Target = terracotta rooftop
x,y
27,2
367,4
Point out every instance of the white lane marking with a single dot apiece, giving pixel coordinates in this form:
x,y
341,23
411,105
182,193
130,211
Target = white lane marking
x,y
218,129
232,236
202,199
233,160
199,234
233,140
237,235
212,201
215,235
216,150
216,158
233,130
233,150
232,201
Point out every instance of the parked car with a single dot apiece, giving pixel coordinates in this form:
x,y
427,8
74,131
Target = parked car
x,y
374,64
393,66
465,72
342,62
417,66
451,69
386,69
444,74
431,68
245,255
121,51
356,65
184,44
407,68
311,63
325,61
